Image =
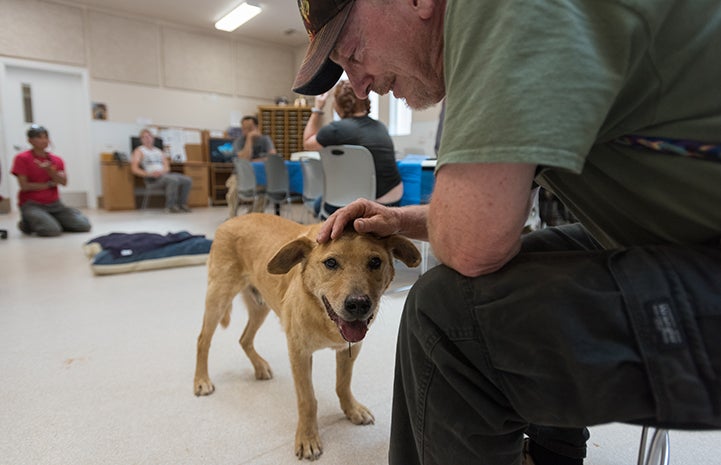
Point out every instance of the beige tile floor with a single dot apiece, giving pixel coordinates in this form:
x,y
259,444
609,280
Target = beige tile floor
x,y
99,370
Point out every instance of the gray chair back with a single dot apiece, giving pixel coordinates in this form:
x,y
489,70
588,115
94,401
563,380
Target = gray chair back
x,y
245,176
276,175
312,170
246,188
349,173
277,189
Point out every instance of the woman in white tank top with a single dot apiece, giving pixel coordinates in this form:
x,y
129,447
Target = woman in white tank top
x,y
151,164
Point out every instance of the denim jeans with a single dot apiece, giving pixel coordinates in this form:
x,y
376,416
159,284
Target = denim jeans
x,y
53,218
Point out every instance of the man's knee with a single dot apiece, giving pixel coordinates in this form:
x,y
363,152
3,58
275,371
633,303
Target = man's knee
x,y
41,223
439,298
78,226
47,228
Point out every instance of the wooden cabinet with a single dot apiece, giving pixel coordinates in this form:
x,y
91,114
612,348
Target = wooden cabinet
x,y
117,186
219,173
198,172
285,126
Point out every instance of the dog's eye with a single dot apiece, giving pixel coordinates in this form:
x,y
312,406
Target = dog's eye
x,y
331,264
374,263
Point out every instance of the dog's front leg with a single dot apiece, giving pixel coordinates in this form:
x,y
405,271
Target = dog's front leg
x,y
355,411
307,439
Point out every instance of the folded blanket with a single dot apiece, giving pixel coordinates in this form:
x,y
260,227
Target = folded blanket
x,y
145,251
124,244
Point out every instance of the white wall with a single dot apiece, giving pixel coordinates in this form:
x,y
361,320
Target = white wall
x,y
132,103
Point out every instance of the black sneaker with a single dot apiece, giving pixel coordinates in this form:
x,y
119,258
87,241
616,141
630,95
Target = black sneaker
x,y
24,227
184,208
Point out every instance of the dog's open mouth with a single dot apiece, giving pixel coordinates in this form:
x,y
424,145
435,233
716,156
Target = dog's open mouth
x,y
352,331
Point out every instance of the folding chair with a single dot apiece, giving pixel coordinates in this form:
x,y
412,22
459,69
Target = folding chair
x,y
148,189
658,451
312,184
277,189
246,188
349,174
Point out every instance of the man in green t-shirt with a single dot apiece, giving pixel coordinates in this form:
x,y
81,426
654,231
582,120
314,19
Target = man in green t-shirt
x,y
615,107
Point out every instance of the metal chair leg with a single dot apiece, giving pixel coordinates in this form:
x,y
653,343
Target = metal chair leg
x,y
658,451
424,256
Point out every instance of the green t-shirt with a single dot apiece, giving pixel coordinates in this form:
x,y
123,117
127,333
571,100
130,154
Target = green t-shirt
x,y
555,82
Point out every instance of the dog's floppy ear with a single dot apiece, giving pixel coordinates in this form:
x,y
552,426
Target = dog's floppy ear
x,y
404,250
290,255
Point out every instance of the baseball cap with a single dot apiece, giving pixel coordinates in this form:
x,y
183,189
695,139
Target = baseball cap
x,y
324,20
36,130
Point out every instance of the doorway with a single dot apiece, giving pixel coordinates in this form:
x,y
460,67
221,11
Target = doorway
x,y
57,98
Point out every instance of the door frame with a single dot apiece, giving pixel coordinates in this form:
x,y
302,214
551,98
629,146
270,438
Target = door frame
x,y
84,146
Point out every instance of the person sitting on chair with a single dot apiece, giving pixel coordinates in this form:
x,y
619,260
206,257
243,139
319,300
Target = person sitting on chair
x,y
614,318
39,172
252,143
356,128
151,163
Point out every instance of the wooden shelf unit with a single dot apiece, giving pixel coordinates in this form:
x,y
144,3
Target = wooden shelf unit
x,y
219,173
285,125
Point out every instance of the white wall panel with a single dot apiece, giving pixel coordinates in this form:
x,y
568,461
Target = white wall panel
x,y
124,49
42,31
265,71
172,107
197,62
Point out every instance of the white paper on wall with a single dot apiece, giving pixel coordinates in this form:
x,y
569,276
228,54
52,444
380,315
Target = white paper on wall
x,y
174,142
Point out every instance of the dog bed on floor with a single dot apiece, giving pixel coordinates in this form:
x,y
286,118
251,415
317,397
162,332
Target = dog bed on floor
x,y
125,253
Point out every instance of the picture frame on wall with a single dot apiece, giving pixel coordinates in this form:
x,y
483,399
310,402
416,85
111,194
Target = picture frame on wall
x,y
100,111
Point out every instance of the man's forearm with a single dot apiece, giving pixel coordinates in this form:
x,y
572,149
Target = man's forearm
x,y
247,151
37,186
414,221
58,177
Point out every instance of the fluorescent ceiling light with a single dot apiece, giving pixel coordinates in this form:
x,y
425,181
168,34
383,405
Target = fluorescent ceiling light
x,y
242,13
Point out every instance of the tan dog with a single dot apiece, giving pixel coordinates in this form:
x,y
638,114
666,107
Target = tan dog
x,y
325,295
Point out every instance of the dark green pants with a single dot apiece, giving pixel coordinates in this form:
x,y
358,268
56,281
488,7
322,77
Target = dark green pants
x,y
565,335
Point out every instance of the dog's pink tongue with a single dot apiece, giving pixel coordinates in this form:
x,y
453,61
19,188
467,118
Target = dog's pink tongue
x,y
352,331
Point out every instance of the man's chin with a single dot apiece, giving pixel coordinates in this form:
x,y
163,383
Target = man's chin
x,y
418,95
416,102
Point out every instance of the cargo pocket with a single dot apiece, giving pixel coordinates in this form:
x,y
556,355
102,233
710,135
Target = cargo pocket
x,y
669,293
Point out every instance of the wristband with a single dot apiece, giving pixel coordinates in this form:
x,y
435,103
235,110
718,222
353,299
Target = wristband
x,y
317,111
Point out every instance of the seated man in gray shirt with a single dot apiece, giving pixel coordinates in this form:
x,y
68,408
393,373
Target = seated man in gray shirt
x,y
252,143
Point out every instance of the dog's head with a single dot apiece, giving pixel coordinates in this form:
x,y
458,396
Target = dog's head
x,y
347,275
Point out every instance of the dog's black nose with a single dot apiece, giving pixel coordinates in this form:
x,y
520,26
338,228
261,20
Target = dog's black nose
x,y
357,305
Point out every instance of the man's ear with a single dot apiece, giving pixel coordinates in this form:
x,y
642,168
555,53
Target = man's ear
x,y
290,255
404,250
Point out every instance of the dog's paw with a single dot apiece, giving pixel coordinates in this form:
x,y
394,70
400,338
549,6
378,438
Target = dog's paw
x,y
359,415
262,370
203,387
308,448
